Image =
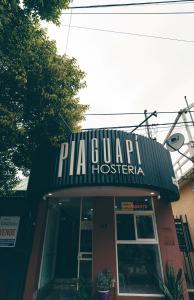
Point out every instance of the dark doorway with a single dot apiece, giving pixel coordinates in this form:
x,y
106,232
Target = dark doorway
x,y
68,241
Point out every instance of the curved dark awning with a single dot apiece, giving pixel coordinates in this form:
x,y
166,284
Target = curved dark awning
x,y
105,158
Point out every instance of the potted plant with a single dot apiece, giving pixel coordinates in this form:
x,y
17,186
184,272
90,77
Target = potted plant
x,y
104,284
172,286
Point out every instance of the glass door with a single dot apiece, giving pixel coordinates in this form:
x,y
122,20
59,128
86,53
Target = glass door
x,y
47,270
85,239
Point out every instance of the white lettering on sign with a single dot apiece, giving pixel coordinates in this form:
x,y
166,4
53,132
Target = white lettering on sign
x,y
117,161
106,148
129,148
137,149
120,169
81,164
119,158
63,155
71,168
94,151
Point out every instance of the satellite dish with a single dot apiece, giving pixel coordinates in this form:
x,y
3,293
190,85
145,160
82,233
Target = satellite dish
x,y
175,142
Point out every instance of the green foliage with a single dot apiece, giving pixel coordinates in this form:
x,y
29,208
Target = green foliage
x,y
104,281
8,177
172,286
49,10
38,91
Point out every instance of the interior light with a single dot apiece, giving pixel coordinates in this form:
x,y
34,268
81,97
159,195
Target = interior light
x,y
91,209
49,194
60,203
152,193
85,218
146,200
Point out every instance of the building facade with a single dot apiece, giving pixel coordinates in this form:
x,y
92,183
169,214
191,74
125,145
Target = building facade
x,y
183,211
101,202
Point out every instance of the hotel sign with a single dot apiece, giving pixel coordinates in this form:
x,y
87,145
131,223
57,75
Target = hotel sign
x,y
105,158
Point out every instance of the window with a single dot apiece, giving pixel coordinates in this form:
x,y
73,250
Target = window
x,y
137,246
125,227
145,228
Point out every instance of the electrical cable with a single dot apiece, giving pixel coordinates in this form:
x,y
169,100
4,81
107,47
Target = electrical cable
x,y
132,13
131,4
132,34
162,128
67,126
132,126
69,27
130,113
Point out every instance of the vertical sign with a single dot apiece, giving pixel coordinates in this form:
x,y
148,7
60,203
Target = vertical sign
x,y
8,231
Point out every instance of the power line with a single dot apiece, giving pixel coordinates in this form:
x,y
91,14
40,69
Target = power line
x,y
132,13
166,128
132,34
114,114
129,113
161,128
67,126
132,126
130,4
69,27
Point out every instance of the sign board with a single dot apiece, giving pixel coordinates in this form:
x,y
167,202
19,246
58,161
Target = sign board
x,y
8,230
104,158
127,205
133,206
107,156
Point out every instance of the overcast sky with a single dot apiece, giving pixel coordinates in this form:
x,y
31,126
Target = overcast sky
x,y
129,73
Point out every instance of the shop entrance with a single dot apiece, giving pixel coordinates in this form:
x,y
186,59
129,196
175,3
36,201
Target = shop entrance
x,y
67,245
74,250
85,239
67,249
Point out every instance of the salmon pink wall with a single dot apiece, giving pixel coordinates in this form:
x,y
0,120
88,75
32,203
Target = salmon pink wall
x,y
104,255
104,247
35,259
168,241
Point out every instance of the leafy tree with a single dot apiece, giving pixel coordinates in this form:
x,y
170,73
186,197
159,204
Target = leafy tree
x,y
49,10
38,91
8,175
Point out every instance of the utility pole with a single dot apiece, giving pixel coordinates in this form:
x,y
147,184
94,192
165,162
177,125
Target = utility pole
x,y
182,113
149,134
144,121
188,130
189,107
173,126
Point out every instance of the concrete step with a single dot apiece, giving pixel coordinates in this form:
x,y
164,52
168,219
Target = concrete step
x,y
65,285
59,289
59,296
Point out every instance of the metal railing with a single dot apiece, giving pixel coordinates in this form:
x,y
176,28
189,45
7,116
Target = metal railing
x,y
186,248
183,165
